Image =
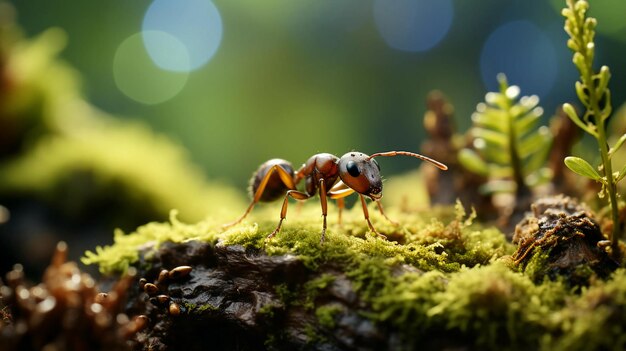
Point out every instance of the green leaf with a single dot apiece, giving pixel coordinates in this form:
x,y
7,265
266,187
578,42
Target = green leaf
x,y
472,162
496,171
496,156
536,160
583,93
526,123
491,136
491,119
571,113
582,167
534,142
603,80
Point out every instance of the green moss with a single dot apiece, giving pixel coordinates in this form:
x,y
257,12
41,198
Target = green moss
x,y
267,310
535,269
454,277
312,335
404,301
326,315
84,163
463,243
593,320
313,287
192,308
121,164
424,248
497,306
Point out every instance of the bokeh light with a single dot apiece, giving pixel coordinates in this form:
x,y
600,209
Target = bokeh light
x,y
137,76
413,25
195,23
524,53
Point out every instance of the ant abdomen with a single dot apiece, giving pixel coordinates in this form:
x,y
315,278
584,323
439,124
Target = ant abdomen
x,y
275,188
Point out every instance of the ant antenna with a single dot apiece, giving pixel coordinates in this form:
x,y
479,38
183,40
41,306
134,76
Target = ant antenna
x,y
412,154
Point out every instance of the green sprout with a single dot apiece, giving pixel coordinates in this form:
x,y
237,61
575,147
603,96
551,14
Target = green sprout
x,y
593,92
508,123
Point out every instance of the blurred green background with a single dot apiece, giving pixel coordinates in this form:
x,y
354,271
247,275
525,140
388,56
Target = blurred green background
x,y
293,78
233,84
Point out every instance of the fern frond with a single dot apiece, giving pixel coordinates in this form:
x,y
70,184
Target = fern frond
x,y
506,127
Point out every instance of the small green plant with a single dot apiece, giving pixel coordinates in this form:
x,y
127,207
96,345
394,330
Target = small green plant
x,y
510,147
593,92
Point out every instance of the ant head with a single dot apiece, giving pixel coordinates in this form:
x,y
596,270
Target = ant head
x,y
361,173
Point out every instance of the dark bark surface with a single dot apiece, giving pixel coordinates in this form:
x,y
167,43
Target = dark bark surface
x,y
237,299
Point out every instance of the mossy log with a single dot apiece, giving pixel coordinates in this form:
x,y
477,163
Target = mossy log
x,y
436,286
238,299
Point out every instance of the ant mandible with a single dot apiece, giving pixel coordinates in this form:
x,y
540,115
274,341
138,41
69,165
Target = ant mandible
x,y
328,175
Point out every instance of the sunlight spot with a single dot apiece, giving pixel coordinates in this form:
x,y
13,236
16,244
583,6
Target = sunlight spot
x,y
413,25
197,24
137,76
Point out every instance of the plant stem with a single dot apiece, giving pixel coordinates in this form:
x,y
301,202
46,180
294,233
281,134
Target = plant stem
x,y
593,107
518,176
610,186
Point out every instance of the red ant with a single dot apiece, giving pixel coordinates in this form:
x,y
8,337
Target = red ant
x,y
328,175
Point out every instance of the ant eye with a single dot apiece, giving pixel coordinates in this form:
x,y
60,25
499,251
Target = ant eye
x,y
376,163
353,169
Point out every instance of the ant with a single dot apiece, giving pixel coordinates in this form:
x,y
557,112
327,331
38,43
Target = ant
x,y
326,174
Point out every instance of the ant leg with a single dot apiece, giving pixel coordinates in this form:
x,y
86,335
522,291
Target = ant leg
x,y
283,212
382,212
284,176
341,204
367,218
324,202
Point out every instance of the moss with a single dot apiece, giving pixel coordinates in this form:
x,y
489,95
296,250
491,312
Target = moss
x,y
451,278
535,269
192,308
267,310
312,334
497,306
422,235
313,287
326,315
58,149
121,164
593,320
464,243
404,301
